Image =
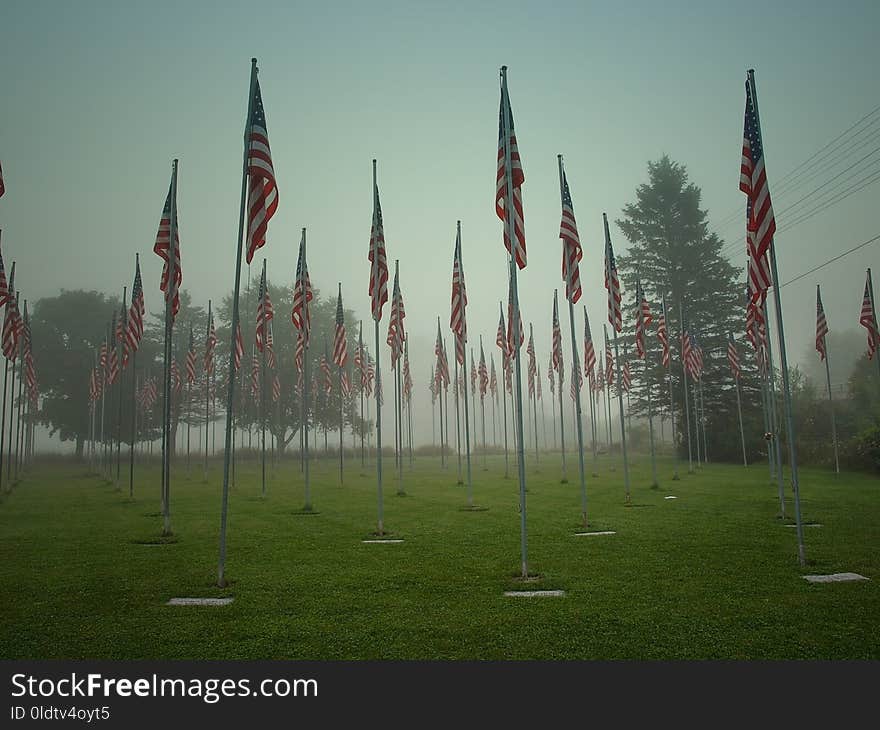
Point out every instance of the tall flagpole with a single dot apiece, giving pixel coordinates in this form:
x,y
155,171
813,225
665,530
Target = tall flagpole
x,y
362,355
169,305
381,525
551,378
774,419
455,397
783,362
671,397
133,424
307,389
576,379
221,578
511,234
591,395
467,425
208,390
620,410
742,434
18,413
830,398
687,413
871,294
264,324
121,380
703,421
647,374
504,414
534,400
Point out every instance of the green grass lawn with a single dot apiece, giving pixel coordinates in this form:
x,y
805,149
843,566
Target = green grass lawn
x,y
710,575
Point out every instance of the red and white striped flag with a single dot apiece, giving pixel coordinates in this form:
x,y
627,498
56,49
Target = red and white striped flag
x,y
2,184
396,332
112,354
556,351
516,334
121,340
378,262
239,346
134,330
302,295
262,199
276,388
4,287
458,315
609,366
589,349
473,375
340,347
255,374
493,378
441,371
265,313
572,253
371,373
821,325
643,319
753,180
191,359
176,384
533,365
626,377
663,334
733,357
509,179
483,373
612,283
345,383
325,369
866,319
550,377
210,345
407,376
270,347
168,283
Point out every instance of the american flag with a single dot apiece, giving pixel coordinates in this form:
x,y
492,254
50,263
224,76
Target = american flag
x,y
407,376
378,262
276,388
262,190
302,294
753,318
442,369
600,379
340,348
493,378
589,349
609,366
10,323
255,373
176,383
533,365
612,283
753,179
626,377
516,334
359,360
821,325
2,184
396,331
239,346
501,334
759,277
325,369
458,316
378,385
556,350
94,387
27,349
4,287
643,319
507,368
265,313
210,345
371,373
102,359
473,375
121,329
733,357
299,352
483,373
433,385
550,376
572,252
345,384
538,384
576,382
663,334
191,359
691,359
113,357
134,332
698,355
163,244
514,176
270,347
866,319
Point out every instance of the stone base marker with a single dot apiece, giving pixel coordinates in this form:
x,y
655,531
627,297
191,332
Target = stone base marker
x,y
834,578
809,524
671,496
600,532
534,594
199,602
383,541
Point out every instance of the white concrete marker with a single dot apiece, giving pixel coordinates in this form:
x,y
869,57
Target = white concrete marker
x,y
812,524
199,602
533,594
834,578
671,496
381,541
603,532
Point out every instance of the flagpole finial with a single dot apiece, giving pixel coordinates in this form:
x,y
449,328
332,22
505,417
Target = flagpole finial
x,y
254,61
559,157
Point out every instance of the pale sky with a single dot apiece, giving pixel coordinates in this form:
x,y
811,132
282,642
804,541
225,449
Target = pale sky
x,y
100,96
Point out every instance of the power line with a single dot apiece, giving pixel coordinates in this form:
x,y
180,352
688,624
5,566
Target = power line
x,y
830,261
870,179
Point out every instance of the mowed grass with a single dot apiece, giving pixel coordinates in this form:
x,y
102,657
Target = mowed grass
x,y
712,574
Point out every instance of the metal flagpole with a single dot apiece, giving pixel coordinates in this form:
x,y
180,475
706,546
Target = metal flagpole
x,y
783,362
363,357
18,412
208,390
767,429
436,395
169,302
483,409
399,434
103,442
830,403
591,395
511,236
684,374
118,346
455,395
467,436
264,325
696,402
341,418
619,375
221,578
647,374
504,414
774,418
671,397
553,415
494,401
133,424
703,422
543,409
534,400
742,434
871,294
381,528
306,389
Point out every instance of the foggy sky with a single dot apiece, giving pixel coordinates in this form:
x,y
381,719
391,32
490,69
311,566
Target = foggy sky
x,y
99,97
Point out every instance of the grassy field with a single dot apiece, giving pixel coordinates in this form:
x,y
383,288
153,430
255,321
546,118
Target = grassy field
x,y
712,574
